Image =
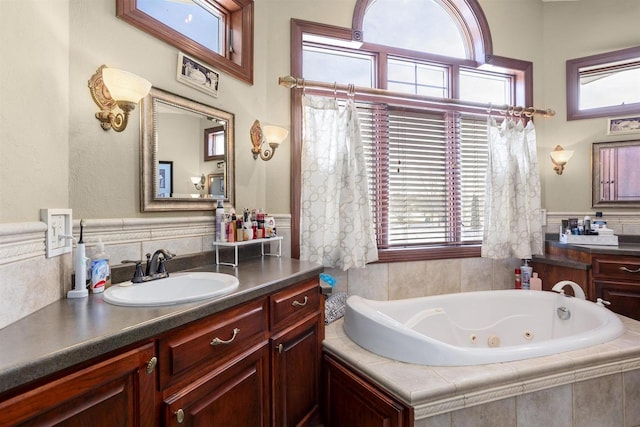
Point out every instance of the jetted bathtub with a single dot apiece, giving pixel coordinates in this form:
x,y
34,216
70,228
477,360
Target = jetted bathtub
x,y
475,328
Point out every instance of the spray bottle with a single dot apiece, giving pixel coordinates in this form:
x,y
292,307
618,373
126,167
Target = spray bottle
x,y
526,275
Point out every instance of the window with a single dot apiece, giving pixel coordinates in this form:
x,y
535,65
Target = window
x,y
426,159
603,85
218,32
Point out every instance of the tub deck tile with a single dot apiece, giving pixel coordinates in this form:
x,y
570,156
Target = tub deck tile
x,y
433,390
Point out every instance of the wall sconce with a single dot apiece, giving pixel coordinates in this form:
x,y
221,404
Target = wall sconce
x,y
111,88
560,157
198,182
272,135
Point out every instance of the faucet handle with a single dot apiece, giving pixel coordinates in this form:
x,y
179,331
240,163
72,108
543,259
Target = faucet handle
x,y
138,274
162,269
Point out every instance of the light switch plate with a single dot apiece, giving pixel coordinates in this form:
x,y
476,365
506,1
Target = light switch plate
x,y
59,223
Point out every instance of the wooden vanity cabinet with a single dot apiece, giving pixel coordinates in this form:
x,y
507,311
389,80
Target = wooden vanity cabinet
x,y
297,323
352,401
617,280
119,391
614,278
264,369
255,364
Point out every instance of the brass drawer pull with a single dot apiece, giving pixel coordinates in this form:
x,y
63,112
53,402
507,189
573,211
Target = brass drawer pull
x,y
179,416
151,365
300,304
637,270
218,341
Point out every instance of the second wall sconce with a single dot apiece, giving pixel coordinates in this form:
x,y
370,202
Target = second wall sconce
x,y
560,157
111,88
272,135
198,182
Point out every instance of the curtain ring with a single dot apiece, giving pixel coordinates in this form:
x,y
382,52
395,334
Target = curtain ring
x,y
335,90
489,109
304,88
352,90
531,112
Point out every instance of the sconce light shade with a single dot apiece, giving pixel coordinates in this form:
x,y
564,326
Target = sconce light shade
x,y
560,157
198,182
272,135
111,88
125,86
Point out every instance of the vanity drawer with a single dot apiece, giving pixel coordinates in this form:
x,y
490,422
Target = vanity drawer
x,y
620,268
294,303
214,339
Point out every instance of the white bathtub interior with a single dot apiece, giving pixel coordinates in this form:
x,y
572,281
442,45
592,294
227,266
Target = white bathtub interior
x,y
478,327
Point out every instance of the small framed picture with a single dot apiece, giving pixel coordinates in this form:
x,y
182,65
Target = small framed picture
x,y
197,74
622,125
165,179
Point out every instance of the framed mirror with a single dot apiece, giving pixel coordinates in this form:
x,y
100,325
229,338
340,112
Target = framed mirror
x,y
615,174
603,85
186,154
218,32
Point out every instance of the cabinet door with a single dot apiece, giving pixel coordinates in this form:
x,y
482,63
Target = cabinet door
x,y
296,374
116,392
351,401
624,297
235,395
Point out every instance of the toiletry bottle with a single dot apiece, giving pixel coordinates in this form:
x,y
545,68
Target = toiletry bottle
x,y
100,269
526,274
518,281
220,231
246,226
231,229
535,283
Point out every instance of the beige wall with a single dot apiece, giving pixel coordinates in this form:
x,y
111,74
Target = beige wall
x,y
51,139
54,154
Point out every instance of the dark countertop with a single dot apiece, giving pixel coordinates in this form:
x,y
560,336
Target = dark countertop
x,y
71,331
631,249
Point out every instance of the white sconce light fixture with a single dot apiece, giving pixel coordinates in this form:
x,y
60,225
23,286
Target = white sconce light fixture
x,y
560,157
272,135
111,88
198,182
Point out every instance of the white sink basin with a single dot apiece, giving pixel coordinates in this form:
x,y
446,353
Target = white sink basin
x,y
176,289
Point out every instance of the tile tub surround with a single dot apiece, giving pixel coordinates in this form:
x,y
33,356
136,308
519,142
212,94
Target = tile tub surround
x,y
506,394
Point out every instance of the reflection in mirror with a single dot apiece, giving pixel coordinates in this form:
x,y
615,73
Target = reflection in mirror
x,y
603,85
616,175
182,139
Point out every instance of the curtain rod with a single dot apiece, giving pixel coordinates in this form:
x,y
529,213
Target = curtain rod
x,y
296,83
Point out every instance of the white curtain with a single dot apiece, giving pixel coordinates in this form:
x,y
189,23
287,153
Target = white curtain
x,y
512,221
336,227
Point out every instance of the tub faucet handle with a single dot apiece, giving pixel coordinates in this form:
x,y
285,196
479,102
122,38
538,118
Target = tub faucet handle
x,y
602,302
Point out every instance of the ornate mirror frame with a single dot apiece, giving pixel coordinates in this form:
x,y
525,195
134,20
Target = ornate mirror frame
x,y
149,202
617,167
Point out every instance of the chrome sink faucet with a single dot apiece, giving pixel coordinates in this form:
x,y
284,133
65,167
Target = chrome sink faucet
x,y
577,290
155,268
